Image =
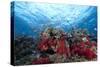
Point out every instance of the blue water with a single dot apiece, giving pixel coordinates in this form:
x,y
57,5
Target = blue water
x,y
32,18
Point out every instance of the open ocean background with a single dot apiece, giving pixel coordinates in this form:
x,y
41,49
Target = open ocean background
x,y
31,18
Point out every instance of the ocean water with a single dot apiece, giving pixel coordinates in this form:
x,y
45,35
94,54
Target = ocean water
x,y
32,18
